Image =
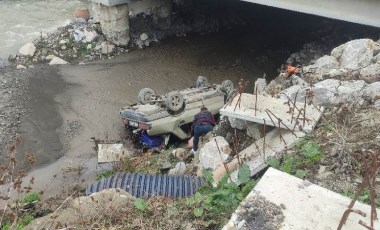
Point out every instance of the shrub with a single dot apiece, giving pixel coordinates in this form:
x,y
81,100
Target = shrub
x,y
30,198
25,221
214,205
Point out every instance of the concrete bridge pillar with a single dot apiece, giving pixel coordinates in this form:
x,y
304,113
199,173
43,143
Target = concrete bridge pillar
x,y
114,21
113,15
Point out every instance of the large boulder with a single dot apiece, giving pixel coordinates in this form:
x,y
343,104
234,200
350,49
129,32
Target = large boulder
x,y
291,92
349,91
324,65
376,58
324,92
329,92
356,54
332,92
372,91
212,155
371,70
376,105
58,61
338,51
28,49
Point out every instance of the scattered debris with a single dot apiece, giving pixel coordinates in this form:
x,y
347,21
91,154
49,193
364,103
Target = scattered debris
x,y
112,153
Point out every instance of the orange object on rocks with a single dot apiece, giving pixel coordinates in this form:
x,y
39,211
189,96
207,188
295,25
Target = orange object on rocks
x,y
82,13
292,70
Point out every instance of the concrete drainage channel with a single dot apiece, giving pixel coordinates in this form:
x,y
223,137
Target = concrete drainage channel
x,y
146,185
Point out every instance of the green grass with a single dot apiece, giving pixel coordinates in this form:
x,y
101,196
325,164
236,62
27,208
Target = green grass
x,y
214,205
25,221
307,153
103,175
30,197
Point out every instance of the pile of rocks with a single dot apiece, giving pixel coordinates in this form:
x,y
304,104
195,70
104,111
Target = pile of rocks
x,y
79,40
350,74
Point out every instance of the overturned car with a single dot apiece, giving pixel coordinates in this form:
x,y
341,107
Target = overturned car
x,y
156,117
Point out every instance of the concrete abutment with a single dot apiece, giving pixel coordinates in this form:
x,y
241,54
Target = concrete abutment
x,y
114,16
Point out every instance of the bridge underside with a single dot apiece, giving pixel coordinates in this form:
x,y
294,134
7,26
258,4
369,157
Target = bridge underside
x,y
358,11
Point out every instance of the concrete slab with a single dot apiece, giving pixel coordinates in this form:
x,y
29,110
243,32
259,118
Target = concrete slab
x,y
111,152
255,155
268,108
304,205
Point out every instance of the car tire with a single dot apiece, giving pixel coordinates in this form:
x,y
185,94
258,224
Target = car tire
x,y
174,102
201,82
227,87
145,95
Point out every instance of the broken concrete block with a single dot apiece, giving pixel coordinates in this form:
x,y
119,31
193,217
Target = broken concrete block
x,y
269,111
304,205
111,152
237,123
214,153
253,130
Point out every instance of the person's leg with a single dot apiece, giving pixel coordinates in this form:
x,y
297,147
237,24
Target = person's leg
x,y
197,133
204,129
207,129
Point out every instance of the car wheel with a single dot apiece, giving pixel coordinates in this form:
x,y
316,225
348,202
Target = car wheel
x,y
201,82
227,87
174,101
145,95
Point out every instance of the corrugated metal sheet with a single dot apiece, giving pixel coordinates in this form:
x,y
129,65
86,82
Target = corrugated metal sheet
x,y
146,185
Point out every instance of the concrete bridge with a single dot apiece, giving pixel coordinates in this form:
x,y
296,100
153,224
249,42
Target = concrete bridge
x,y
366,12
114,14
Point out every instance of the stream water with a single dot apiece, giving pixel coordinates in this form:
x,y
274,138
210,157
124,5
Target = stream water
x,y
22,21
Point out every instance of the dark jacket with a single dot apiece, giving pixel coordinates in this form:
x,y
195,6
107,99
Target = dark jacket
x,y
203,118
